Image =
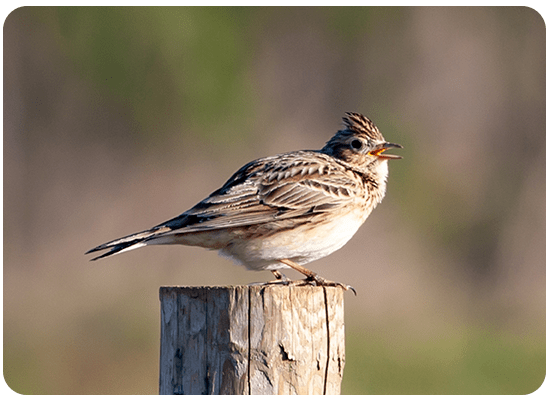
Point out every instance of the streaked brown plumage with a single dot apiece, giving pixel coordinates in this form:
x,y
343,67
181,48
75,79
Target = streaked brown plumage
x,y
285,210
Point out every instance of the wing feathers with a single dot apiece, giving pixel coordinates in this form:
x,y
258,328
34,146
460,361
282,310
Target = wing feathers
x,y
286,186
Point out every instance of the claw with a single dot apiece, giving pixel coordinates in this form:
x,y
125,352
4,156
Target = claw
x,y
285,281
313,279
320,281
317,281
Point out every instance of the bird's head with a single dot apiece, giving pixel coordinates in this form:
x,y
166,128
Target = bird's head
x,y
360,143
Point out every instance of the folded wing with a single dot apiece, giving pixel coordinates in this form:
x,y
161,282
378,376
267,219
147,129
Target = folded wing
x,y
263,191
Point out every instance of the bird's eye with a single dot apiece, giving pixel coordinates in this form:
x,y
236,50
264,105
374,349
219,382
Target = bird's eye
x,y
356,144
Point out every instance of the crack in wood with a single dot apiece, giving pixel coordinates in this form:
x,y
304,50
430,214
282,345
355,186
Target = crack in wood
x,y
249,338
328,340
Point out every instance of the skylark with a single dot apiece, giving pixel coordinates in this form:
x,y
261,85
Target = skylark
x,y
286,210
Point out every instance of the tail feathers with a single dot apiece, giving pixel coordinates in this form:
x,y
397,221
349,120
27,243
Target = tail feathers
x,y
120,249
127,243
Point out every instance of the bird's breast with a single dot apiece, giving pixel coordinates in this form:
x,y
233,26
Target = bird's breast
x,y
306,242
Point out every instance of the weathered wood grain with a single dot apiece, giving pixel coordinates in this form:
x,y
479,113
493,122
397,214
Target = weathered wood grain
x,y
251,340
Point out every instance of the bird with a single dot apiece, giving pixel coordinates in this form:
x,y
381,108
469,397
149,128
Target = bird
x,y
286,210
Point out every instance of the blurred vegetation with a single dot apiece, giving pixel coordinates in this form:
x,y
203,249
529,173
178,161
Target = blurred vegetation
x,y
118,118
201,67
474,363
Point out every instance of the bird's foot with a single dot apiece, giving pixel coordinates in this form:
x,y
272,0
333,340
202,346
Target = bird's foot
x,y
313,279
316,280
280,279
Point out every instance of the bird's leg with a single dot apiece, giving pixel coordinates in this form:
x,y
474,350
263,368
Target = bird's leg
x,y
312,277
278,275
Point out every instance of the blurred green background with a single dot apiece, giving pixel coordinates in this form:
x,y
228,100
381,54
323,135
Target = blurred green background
x,y
116,119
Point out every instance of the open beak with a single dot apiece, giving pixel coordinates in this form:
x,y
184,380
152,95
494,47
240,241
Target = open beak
x,y
378,152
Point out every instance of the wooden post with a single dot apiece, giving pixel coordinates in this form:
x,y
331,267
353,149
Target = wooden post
x,y
251,340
